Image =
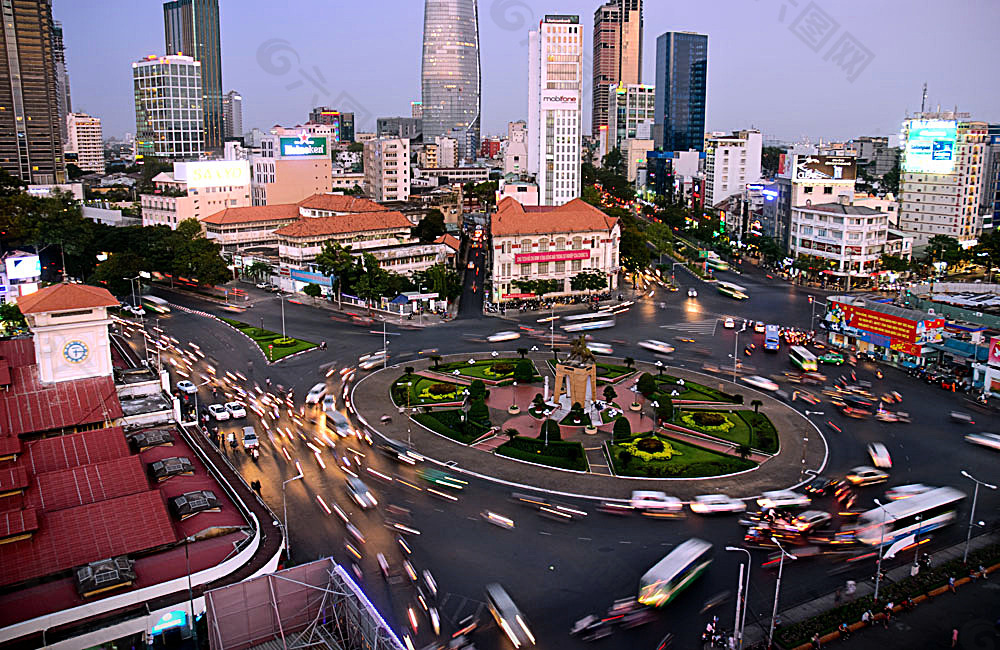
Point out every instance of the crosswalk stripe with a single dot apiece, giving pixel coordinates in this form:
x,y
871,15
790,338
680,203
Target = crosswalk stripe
x,y
706,326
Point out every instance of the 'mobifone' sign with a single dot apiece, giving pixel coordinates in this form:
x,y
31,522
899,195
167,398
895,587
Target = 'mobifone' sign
x,y
304,145
560,101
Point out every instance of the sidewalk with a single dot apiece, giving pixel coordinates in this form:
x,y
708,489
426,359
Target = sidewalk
x,y
877,636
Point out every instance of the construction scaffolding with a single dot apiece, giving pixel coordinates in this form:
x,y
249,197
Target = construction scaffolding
x,y
316,606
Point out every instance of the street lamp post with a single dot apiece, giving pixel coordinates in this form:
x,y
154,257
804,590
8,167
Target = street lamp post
x,y
187,562
881,546
736,346
281,299
284,509
972,514
513,396
777,589
741,615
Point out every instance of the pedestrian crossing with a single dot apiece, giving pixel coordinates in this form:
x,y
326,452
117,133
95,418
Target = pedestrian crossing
x,y
704,327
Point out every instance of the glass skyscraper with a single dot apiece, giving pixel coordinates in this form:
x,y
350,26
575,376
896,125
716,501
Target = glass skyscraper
x,y
450,75
191,28
681,76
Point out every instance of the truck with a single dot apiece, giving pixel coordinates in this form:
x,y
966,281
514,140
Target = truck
x,y
772,338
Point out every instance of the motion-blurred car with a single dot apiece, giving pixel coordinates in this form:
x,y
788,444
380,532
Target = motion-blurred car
x,y
692,293
783,499
653,501
236,410
599,348
810,520
762,383
831,358
186,386
656,346
360,493
759,327
503,336
864,475
961,418
991,440
218,412
729,323
906,491
329,403
819,486
879,455
315,394
716,503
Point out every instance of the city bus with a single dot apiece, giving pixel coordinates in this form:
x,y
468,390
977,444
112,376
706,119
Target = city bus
x,y
508,616
732,290
158,305
912,516
803,358
590,321
772,338
674,572
717,264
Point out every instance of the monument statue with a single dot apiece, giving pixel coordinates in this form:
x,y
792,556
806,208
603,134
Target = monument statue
x,y
579,351
576,377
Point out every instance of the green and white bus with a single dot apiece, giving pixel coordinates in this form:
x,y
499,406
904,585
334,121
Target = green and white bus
x,y
803,358
673,573
732,290
717,264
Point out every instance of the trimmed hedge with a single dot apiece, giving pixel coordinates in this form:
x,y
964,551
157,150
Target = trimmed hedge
x,y
561,454
763,435
449,423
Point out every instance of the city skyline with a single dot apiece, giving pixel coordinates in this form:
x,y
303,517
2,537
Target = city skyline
x,y
741,88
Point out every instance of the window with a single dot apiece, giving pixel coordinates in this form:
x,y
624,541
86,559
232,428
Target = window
x,y
543,267
828,190
575,265
807,190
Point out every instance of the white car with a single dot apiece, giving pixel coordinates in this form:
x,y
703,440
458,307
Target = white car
x,y
906,491
652,501
360,493
879,455
503,336
692,293
991,440
218,412
729,323
783,499
762,383
865,475
716,503
599,348
136,311
236,410
656,346
316,394
759,327
186,386
329,403
370,363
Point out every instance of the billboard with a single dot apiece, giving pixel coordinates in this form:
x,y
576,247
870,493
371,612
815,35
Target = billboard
x,y
901,334
825,168
994,359
213,173
303,145
23,267
552,256
930,147
560,100
310,277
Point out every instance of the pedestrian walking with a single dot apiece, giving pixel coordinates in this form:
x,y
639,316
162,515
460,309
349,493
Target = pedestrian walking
x,y
816,642
951,583
845,631
954,637
982,572
866,618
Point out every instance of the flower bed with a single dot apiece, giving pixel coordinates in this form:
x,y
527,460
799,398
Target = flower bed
x,y
265,339
685,460
451,424
561,454
425,391
493,370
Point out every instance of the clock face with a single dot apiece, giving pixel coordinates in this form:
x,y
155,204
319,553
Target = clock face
x,y
75,351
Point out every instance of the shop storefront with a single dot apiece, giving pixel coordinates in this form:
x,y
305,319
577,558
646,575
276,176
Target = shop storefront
x,y
989,373
889,333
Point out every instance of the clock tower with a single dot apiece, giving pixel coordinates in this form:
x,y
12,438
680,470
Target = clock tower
x,y
70,327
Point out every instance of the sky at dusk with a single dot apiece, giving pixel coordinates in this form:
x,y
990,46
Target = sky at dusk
x,y
792,68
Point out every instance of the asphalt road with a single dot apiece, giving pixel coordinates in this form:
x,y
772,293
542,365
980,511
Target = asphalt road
x,y
557,572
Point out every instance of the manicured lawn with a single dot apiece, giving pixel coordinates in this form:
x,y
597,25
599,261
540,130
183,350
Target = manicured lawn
x,y
492,369
570,420
424,391
763,435
450,423
692,390
561,454
738,432
688,461
264,338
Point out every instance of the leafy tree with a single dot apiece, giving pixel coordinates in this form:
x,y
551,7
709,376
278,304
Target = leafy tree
x,y
336,261
312,290
633,250
356,147
10,185
523,352
942,248
11,319
436,358
664,408
477,389
625,458
622,428
440,279
511,432
890,180
524,371
756,404
892,262
646,385
770,250
74,172
112,273
629,362
609,393
743,450
259,271
550,431
196,256
430,227
592,280
479,412
538,402
614,162
591,195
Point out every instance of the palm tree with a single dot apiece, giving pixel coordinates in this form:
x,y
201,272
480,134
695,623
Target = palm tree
x,y
523,352
510,432
756,404
630,362
258,271
436,358
743,451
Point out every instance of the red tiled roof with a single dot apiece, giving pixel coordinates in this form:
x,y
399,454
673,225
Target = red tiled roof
x,y
340,203
77,486
75,536
512,218
18,352
14,478
9,445
450,240
31,406
62,452
66,296
252,214
345,223
17,522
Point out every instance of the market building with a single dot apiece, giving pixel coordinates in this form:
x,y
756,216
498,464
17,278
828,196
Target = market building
x,y
890,333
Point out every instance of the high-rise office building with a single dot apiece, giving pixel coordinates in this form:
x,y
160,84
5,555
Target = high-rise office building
x,y
30,133
630,116
342,122
232,115
62,77
191,28
555,107
169,120
85,139
617,52
515,156
681,75
731,161
450,74
940,181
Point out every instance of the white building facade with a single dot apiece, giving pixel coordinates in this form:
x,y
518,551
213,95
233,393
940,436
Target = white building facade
x,y
630,116
731,161
555,108
194,190
515,155
85,139
854,237
387,169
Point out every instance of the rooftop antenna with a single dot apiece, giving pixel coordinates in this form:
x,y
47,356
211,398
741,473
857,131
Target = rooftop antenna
x,y
923,99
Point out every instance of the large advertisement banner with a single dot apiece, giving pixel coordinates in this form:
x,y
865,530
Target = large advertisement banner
x,y
304,145
995,351
902,334
930,147
825,168
552,256
560,100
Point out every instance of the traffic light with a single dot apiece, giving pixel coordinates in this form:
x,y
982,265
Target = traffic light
x,y
810,300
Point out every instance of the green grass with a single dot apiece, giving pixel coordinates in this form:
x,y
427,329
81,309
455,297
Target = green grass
x,y
419,385
690,462
693,390
483,369
740,433
264,338
450,423
570,421
558,453
763,434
